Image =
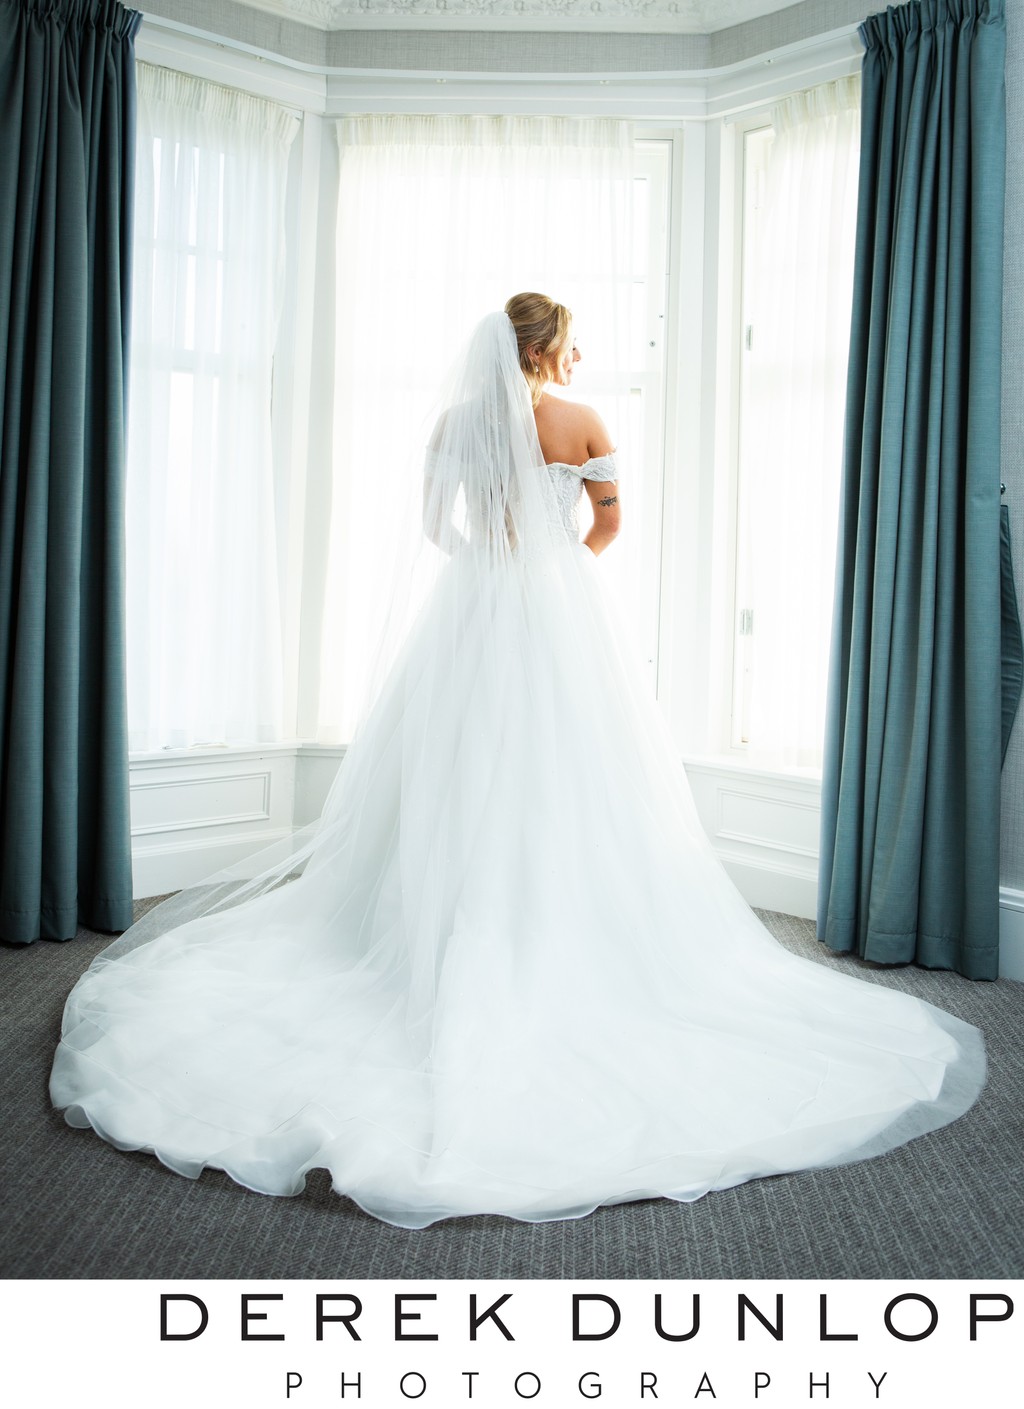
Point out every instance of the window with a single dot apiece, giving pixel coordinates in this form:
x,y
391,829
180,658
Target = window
x,y
633,569
439,221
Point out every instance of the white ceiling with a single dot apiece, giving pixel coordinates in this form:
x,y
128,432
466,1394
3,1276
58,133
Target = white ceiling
x,y
643,16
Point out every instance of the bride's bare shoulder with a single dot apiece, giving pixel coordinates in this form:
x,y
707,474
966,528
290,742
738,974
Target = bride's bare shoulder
x,y
573,430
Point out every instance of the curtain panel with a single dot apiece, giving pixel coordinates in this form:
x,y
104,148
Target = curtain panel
x,y
791,413
66,165
910,794
204,625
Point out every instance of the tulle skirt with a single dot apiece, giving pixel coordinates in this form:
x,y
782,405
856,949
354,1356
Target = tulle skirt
x,y
510,976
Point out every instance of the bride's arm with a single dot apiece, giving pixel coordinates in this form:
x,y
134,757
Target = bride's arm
x,y
604,498
435,526
602,493
438,497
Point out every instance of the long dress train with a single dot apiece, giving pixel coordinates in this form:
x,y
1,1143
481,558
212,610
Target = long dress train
x,y
510,975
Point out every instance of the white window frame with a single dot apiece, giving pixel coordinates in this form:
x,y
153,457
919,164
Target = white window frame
x,y
742,129
655,151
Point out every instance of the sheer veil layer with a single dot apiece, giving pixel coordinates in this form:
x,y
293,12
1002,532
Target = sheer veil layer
x,y
504,972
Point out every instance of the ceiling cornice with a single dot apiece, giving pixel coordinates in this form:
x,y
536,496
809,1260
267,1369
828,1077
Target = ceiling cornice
x,y
643,16
667,97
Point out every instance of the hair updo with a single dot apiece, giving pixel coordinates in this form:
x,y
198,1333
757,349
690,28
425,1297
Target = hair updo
x,y
542,323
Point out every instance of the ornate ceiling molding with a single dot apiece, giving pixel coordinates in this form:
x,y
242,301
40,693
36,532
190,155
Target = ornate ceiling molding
x,y
646,16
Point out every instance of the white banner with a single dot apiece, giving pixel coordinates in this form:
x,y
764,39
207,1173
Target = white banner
x,y
388,1344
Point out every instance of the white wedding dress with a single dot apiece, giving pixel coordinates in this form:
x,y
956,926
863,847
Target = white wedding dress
x,y
508,975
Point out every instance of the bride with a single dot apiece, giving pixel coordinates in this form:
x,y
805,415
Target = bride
x,y
504,972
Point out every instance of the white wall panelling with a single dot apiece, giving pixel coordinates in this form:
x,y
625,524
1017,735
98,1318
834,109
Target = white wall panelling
x,y
764,829
185,800
763,818
193,814
196,810
1011,933
315,768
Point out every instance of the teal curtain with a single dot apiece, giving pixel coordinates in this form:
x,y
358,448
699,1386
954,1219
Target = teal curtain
x,y
1012,637
910,790
66,162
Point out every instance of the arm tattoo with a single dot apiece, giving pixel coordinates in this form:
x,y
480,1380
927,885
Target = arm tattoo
x,y
607,503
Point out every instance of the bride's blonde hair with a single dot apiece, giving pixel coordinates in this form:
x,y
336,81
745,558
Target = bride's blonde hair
x,y
542,323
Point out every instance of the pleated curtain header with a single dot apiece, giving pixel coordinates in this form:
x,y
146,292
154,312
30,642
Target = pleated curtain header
x,y
893,27
214,102
444,130
839,95
77,15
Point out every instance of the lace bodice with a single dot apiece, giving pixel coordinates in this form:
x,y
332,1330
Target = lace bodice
x,y
568,482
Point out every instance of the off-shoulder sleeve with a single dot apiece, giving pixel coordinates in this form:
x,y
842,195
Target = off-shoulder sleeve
x,y
601,467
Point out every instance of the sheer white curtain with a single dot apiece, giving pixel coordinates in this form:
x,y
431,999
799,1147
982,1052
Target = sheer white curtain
x,y
204,640
797,309
441,219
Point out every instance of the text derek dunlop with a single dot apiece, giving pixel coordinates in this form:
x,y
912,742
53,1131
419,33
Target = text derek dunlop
x,y
354,1328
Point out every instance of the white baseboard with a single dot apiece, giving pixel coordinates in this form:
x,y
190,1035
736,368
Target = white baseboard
x,y
769,887
773,886
1011,933
158,870
315,769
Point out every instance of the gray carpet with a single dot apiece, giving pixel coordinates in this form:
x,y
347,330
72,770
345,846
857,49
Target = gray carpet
x,y
947,1205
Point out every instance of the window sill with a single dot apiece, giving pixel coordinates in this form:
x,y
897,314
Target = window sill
x,y
196,752
750,765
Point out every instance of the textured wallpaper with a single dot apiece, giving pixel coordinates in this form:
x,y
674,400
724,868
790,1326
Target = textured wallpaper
x,y
1011,871
245,25
519,52
796,22
459,50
